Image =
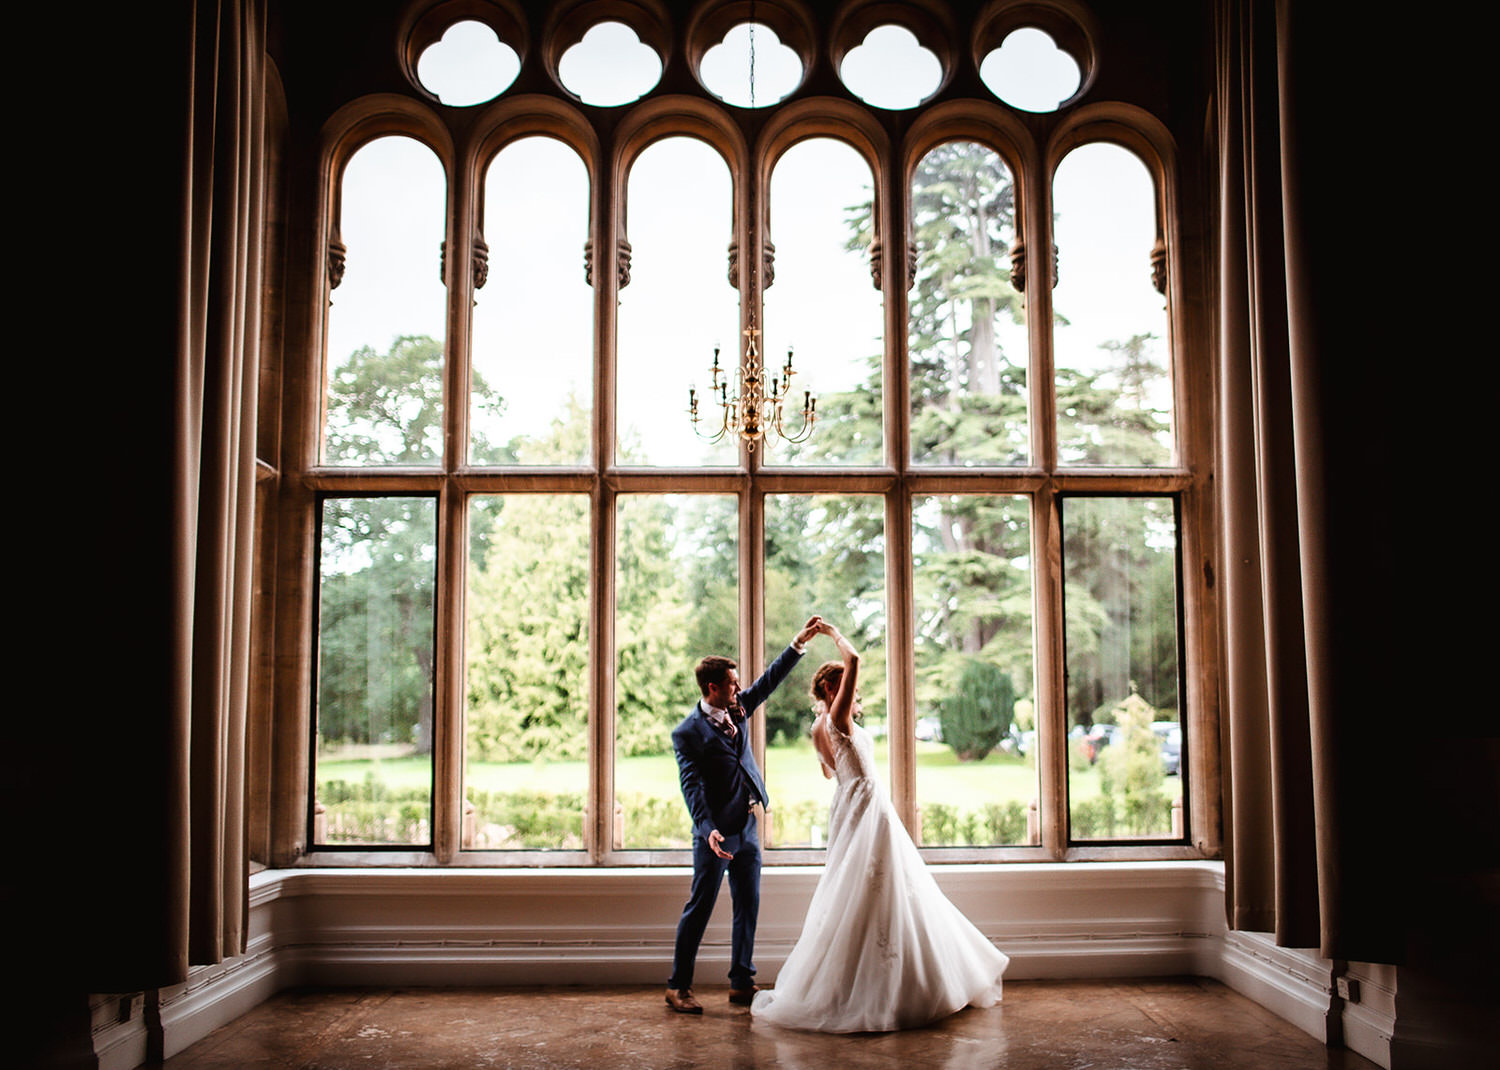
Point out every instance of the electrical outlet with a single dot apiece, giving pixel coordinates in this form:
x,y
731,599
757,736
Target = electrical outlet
x,y
1348,989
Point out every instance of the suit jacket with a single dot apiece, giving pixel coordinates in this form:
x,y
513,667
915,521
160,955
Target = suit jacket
x,y
719,776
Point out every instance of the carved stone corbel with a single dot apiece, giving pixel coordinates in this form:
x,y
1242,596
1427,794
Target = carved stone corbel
x,y
1159,266
622,262
338,256
1018,266
479,261
877,263
767,263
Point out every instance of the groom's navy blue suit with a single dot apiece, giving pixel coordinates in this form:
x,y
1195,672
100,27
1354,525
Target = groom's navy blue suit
x,y
720,781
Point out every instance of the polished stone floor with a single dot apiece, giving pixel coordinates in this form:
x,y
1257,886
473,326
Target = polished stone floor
x,y
1099,1025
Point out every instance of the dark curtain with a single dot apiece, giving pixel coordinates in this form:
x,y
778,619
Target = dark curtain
x,y
214,483
1317,659
138,770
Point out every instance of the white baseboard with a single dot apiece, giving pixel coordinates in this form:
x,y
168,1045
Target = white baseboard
x,y
120,1038
1368,1031
1292,984
216,995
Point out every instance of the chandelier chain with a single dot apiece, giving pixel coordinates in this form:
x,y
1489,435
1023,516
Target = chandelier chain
x,y
752,412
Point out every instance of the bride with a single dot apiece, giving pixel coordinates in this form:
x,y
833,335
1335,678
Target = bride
x,y
882,948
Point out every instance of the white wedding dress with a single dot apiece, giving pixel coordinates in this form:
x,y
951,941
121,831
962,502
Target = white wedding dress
x,y
882,948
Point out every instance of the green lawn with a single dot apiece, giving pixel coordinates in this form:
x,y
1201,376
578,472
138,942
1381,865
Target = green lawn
x,y
792,775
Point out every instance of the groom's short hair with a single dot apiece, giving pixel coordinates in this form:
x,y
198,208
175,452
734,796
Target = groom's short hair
x,y
713,670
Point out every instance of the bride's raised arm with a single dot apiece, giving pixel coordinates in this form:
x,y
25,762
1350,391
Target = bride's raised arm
x,y
841,709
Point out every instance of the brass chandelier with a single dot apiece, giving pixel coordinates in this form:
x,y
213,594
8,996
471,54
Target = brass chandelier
x,y
751,412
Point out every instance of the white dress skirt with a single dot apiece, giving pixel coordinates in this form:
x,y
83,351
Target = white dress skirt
x,y
882,948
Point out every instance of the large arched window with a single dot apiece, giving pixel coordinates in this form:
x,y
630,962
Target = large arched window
x,y
524,544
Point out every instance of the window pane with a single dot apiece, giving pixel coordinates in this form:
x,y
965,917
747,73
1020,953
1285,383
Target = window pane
x,y
609,66
751,50
890,68
1125,743
1028,71
676,600
967,326
468,66
373,761
531,386
821,204
678,306
1114,377
526,739
824,554
388,317
976,725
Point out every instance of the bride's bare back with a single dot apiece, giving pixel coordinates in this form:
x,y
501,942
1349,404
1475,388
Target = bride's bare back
x,y
823,744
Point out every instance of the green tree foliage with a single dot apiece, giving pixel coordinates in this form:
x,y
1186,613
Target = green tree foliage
x,y
825,554
528,640
1105,418
527,635
968,393
378,557
977,713
1132,801
1120,566
969,402
375,620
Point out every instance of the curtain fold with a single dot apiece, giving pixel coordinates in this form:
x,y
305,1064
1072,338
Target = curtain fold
x,y
206,902
1310,811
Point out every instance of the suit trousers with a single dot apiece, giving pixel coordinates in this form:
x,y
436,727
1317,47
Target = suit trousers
x,y
744,894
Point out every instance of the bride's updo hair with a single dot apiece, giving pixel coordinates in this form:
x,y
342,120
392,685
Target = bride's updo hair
x,y
825,683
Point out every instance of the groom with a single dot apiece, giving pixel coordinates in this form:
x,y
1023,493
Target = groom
x,y
721,783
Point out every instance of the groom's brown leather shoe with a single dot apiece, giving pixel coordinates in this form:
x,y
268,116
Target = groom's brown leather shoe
x,y
743,996
681,1000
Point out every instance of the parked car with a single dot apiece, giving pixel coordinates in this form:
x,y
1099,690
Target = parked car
x,y
1097,738
929,730
1170,734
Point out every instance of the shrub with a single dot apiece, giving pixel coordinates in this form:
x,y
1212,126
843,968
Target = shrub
x,y
993,823
536,819
1093,819
977,714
